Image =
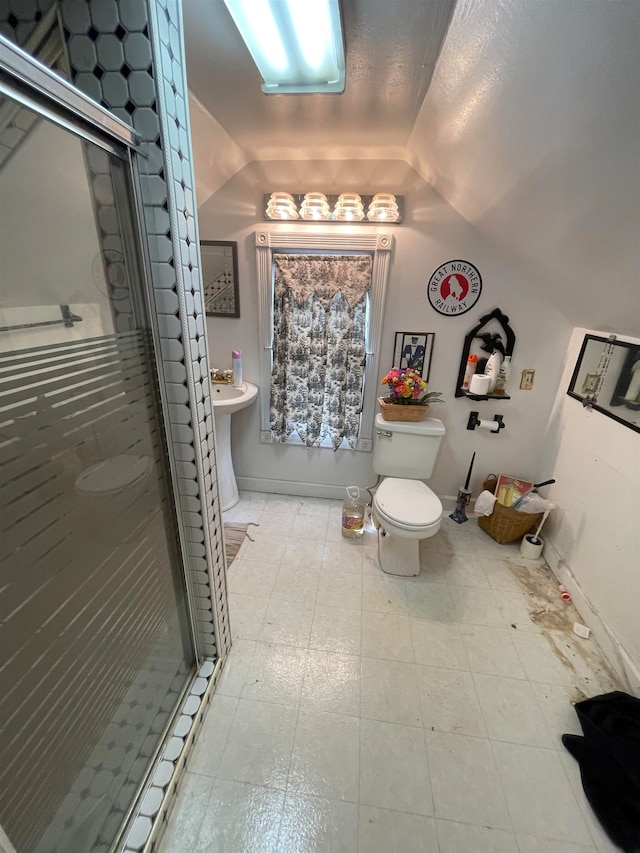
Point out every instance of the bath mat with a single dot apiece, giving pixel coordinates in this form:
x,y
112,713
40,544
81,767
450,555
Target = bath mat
x,y
234,534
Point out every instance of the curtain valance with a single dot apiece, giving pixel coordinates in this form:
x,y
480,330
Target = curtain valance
x,y
323,276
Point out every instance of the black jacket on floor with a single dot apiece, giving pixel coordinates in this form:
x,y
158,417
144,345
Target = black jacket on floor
x,y
609,758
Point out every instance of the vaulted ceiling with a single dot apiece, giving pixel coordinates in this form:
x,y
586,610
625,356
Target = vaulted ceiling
x,y
391,52
523,114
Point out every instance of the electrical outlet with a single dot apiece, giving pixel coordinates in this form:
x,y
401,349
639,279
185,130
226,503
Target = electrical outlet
x,y
526,381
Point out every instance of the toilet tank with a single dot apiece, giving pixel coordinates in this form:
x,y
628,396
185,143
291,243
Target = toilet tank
x,y
408,450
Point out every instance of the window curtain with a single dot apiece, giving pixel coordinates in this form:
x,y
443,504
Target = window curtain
x,y
319,335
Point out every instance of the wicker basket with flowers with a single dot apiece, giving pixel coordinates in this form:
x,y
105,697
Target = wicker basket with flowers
x,y
408,396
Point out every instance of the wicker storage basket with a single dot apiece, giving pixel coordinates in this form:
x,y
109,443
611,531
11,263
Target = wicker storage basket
x,y
398,412
506,524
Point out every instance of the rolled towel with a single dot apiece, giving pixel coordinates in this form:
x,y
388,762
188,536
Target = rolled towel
x,y
484,503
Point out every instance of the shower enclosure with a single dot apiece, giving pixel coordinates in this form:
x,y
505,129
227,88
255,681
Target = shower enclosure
x,y
96,637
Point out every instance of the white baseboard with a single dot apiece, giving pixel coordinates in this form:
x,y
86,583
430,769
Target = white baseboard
x,y
618,658
290,487
313,490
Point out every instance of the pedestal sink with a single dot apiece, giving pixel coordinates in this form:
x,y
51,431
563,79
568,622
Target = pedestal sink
x,y
226,400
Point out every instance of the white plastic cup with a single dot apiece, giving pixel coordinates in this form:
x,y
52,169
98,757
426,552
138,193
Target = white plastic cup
x,y
531,547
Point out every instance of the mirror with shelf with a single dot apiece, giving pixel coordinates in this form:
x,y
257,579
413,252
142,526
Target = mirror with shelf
x,y
607,378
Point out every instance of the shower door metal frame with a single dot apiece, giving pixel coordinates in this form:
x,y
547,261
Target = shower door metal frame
x,y
33,85
36,86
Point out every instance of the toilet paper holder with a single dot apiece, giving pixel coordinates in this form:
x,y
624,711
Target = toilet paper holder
x,y
494,425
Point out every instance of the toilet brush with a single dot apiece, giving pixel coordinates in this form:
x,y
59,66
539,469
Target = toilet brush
x,y
464,496
459,515
531,545
535,538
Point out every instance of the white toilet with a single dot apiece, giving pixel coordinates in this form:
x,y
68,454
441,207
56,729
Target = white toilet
x,y
405,509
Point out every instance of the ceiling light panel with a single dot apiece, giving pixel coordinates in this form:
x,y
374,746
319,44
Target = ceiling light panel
x,y
296,44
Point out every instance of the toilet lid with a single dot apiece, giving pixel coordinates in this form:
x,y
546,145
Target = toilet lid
x,y
114,474
408,502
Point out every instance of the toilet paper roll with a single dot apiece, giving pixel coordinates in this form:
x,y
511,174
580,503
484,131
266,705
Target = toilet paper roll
x,y
494,426
479,384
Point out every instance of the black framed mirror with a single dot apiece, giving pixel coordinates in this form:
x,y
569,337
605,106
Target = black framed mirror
x,y
220,277
607,378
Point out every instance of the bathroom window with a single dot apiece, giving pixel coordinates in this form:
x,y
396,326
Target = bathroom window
x,y
321,316
320,307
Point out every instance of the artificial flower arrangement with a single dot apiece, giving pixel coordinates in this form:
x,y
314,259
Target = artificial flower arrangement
x,y
407,388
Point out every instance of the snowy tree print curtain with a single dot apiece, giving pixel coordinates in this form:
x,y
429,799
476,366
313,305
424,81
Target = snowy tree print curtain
x,y
319,333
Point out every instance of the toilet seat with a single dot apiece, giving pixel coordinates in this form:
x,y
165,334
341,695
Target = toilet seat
x,y
408,505
114,475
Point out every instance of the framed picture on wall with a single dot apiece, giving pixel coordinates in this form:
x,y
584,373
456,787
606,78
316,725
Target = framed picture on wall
x,y
414,349
591,383
220,277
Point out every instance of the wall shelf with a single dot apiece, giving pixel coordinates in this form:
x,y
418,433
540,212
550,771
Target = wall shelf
x,y
486,396
508,341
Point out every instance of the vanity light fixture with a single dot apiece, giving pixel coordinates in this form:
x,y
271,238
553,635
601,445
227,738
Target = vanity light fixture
x,y
297,46
383,208
281,206
343,208
349,208
315,206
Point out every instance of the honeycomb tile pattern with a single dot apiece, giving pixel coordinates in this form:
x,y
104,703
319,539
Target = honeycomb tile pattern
x,y
129,57
19,19
19,22
111,261
116,763
109,760
151,821
111,59
207,556
139,71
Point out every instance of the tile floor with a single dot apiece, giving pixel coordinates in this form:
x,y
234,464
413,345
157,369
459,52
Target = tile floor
x,y
362,713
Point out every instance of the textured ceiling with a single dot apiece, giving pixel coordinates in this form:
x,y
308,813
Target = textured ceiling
x,y
529,127
531,131
392,48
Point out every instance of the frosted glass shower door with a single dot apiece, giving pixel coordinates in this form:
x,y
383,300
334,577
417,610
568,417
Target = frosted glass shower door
x,y
95,638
